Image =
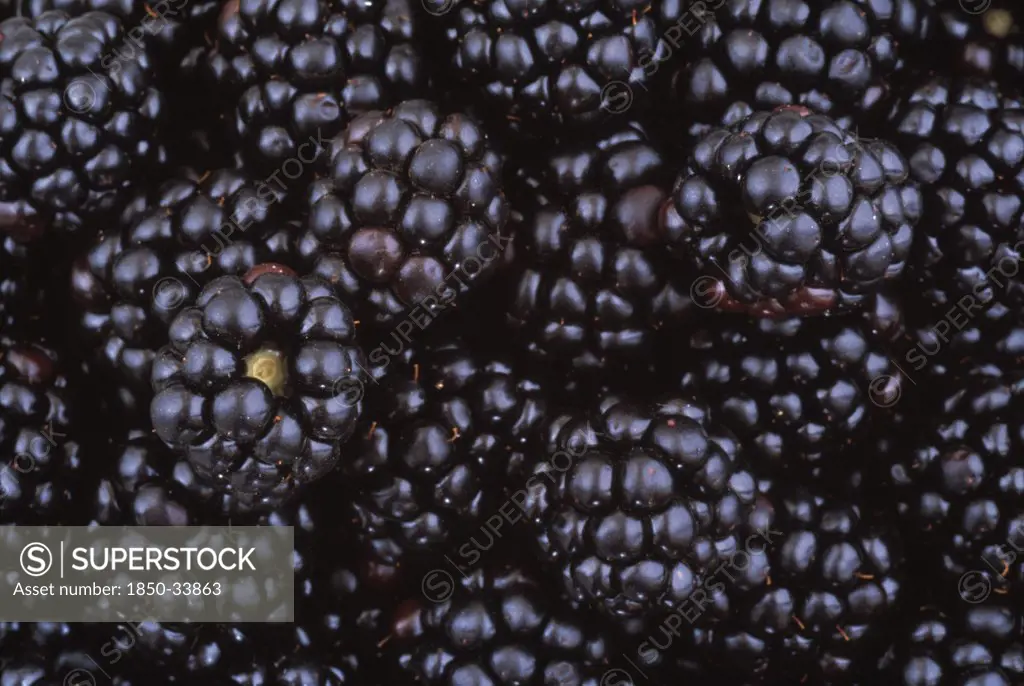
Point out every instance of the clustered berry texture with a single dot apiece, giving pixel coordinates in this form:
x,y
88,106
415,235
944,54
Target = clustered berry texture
x,y
42,457
628,499
979,644
262,382
838,57
593,281
293,72
549,63
498,627
803,393
964,141
587,343
78,121
410,213
832,578
168,244
442,431
962,481
789,212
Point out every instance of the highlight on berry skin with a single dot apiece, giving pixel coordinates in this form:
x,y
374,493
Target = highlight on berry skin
x,y
793,214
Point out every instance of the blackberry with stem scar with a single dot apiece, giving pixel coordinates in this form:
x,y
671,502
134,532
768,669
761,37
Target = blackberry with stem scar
x,y
170,241
261,383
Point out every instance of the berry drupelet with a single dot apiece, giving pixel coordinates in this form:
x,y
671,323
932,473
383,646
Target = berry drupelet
x,y
838,57
800,392
295,71
964,140
983,39
148,485
261,383
591,279
797,215
960,487
410,211
633,505
498,626
79,122
974,645
546,62
171,241
831,577
443,429
42,470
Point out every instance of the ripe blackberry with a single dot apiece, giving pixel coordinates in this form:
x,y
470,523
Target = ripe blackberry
x,y
410,212
959,644
295,70
497,626
801,393
170,241
984,39
147,485
544,62
592,279
442,431
42,469
796,215
343,605
829,585
79,121
651,498
259,387
837,57
964,140
960,486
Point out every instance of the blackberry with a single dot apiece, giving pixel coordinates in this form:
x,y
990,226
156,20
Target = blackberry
x,y
260,385
442,432
830,583
170,241
984,39
633,504
498,626
292,71
544,62
959,487
964,140
43,463
801,393
343,604
80,121
148,486
837,57
592,280
961,644
411,211
797,215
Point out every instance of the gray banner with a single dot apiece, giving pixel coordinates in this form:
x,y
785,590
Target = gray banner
x,y
146,573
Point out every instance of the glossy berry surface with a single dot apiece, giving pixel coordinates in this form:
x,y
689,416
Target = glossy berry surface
x,y
592,279
292,73
789,213
442,429
261,383
410,214
75,121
